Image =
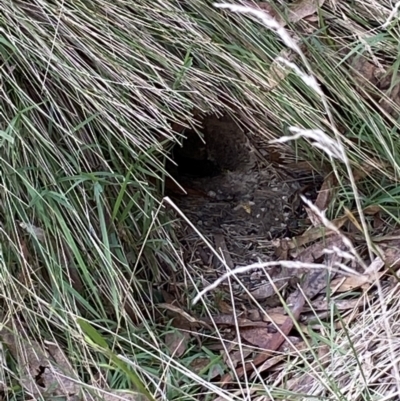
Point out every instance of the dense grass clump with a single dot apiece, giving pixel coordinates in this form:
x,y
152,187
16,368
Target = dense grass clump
x,y
89,94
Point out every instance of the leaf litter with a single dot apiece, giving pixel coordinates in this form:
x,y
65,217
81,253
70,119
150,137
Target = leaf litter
x,y
46,371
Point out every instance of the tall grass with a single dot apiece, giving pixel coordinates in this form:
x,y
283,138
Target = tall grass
x,y
89,92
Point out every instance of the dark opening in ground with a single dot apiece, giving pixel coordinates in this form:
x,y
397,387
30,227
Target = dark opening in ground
x,y
226,189
192,158
234,196
219,146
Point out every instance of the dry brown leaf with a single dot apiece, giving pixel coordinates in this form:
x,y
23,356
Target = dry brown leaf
x,y
253,314
323,200
390,101
378,222
338,325
373,74
177,342
58,355
391,253
303,8
364,281
259,337
168,297
200,364
276,315
277,318
47,371
232,320
224,307
324,355
270,338
66,256
237,357
340,304
365,71
283,246
372,209
268,364
292,344
284,349
266,7
64,367
316,233
182,320
326,192
360,172
277,72
346,284
312,18
275,340
267,290
220,246
315,282
353,219
24,249
314,218
300,385
317,250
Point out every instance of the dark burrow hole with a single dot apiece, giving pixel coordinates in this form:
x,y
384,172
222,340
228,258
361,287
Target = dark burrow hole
x,y
209,151
192,158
